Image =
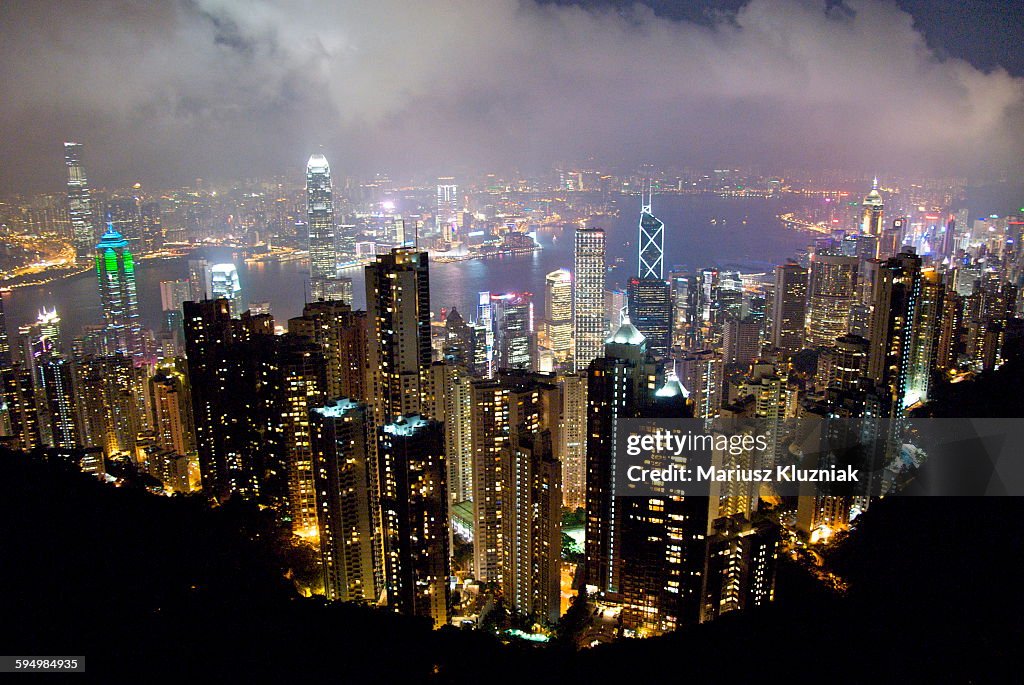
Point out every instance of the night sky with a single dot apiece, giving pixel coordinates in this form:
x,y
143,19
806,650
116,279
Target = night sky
x,y
167,92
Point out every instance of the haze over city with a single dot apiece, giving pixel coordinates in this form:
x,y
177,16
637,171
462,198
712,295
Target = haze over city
x,y
168,92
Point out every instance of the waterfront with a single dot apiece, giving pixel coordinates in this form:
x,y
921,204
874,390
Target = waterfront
x,y
701,230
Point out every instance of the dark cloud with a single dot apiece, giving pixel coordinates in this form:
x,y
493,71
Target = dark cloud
x,y
165,92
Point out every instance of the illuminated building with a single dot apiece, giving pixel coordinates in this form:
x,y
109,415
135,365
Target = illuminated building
x,y
451,401
303,380
650,310
80,210
52,379
323,242
701,374
336,290
172,409
925,337
460,341
484,354
106,392
871,214
531,567
588,314
414,517
619,384
447,216
832,291
789,308
898,296
741,340
515,404
651,255
173,294
515,341
558,313
341,334
398,330
235,382
741,563
344,477
573,453
115,268
224,284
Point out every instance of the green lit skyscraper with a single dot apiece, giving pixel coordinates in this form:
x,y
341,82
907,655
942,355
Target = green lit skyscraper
x,y
115,268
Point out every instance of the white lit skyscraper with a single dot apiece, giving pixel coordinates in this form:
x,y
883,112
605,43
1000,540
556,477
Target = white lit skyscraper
x,y
323,242
871,215
79,201
588,317
447,209
558,313
224,284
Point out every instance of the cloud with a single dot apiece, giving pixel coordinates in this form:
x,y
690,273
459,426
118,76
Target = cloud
x,y
228,88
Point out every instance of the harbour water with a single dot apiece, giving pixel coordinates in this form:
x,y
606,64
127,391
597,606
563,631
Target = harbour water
x,y
701,231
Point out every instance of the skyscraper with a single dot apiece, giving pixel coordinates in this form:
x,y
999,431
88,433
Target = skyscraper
x,y
345,475
871,214
515,341
303,380
224,284
588,314
650,310
79,201
651,262
115,268
649,294
447,216
789,307
898,295
414,517
398,333
323,243
833,290
558,313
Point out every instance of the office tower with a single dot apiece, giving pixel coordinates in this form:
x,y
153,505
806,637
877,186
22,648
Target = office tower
x,y
122,213
741,564
574,440
341,334
871,214
588,312
789,308
558,313
532,517
701,373
345,477
80,211
303,381
224,284
651,255
741,340
950,345
398,333
650,310
515,342
151,226
171,404
447,216
619,384
6,361
832,291
515,404
323,241
115,268
235,383
485,354
616,305
860,245
898,294
106,392
414,517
